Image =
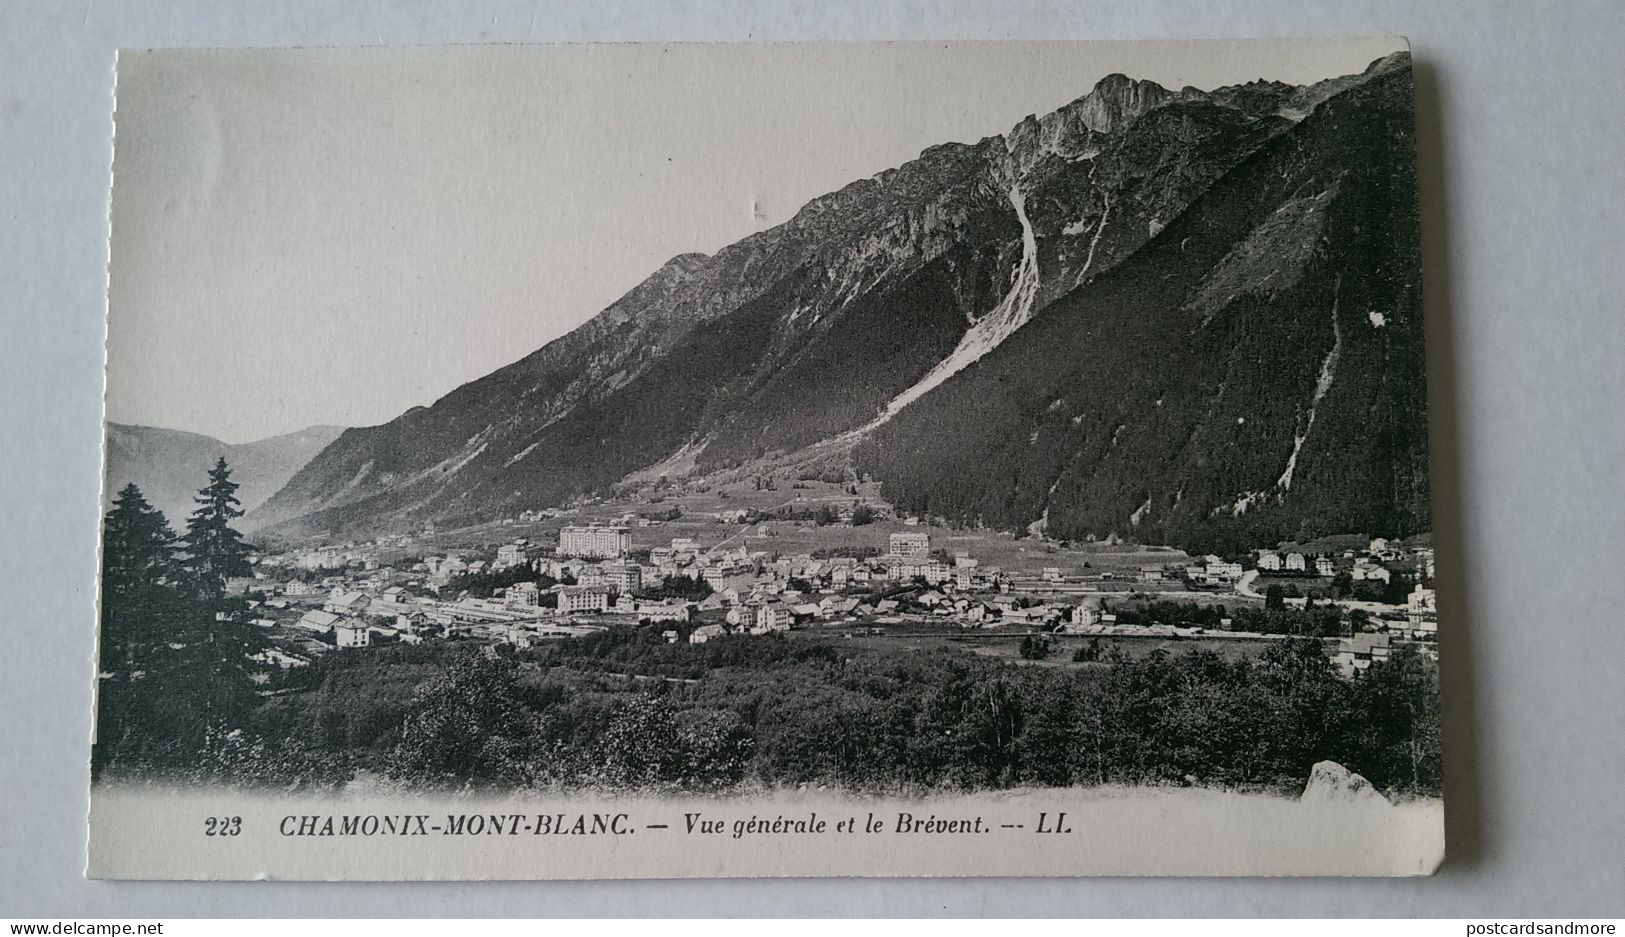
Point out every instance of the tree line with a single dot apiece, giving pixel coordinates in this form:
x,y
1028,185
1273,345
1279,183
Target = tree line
x,y
623,710
175,679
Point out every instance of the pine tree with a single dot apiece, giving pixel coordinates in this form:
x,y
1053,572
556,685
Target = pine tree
x,y
215,551
217,643
139,572
138,545
142,608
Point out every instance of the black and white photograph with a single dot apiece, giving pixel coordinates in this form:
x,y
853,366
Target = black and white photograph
x,y
599,461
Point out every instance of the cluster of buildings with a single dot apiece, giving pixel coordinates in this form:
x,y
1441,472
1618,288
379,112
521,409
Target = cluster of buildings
x,y
1375,563
752,592
1213,570
593,577
340,556
353,619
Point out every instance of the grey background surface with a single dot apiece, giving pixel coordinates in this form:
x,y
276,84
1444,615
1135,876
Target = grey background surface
x,y
1523,199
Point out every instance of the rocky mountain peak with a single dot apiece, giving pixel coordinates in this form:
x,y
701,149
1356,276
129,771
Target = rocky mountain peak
x,y
1116,100
687,263
1070,131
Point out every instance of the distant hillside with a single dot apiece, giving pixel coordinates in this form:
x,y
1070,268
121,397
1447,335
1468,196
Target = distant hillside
x,y
169,465
1189,317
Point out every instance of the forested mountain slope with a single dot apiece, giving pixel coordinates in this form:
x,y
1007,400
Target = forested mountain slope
x,y
1253,373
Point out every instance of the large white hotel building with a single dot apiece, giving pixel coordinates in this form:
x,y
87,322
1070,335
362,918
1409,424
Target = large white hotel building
x,y
908,543
593,541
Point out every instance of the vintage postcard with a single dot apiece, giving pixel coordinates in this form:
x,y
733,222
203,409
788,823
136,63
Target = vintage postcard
x,y
896,459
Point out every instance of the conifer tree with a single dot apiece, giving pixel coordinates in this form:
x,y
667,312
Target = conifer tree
x,y
139,573
215,551
142,607
138,545
217,643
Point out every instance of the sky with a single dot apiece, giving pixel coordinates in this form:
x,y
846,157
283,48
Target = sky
x,y
337,235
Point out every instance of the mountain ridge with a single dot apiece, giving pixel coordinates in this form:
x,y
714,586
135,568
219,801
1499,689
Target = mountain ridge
x,y
170,465
862,307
